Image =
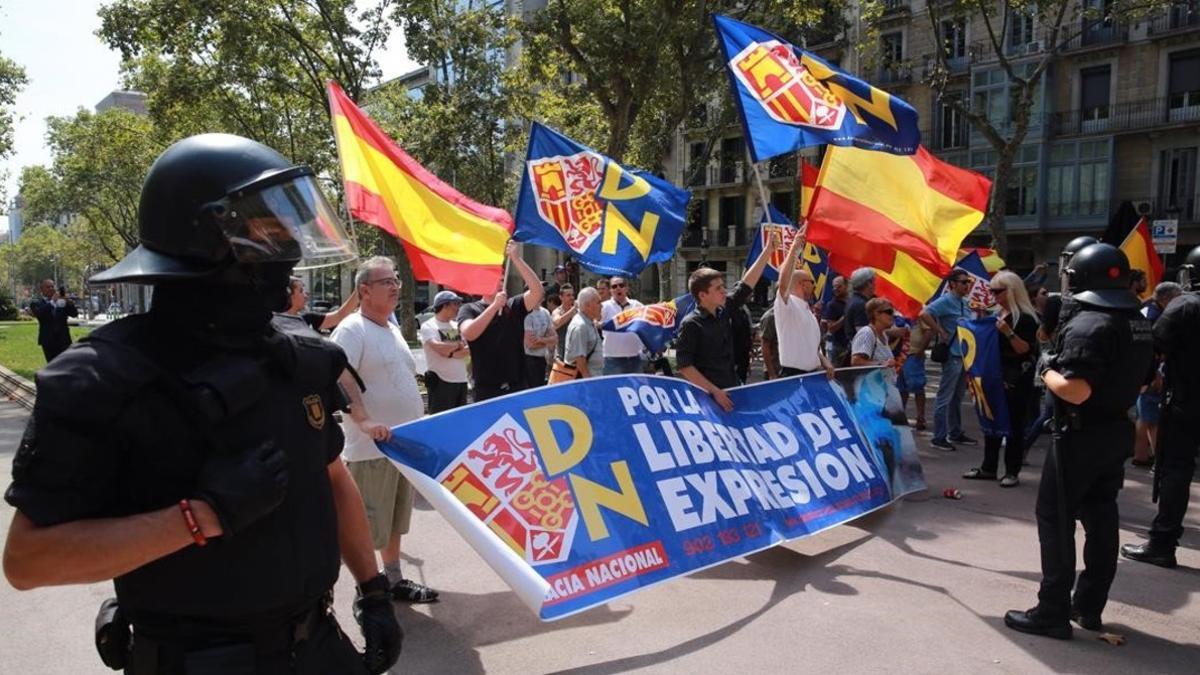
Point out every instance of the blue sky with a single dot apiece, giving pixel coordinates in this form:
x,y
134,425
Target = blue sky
x,y
69,67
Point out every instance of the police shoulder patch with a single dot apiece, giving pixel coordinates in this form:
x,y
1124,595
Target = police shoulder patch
x,y
315,410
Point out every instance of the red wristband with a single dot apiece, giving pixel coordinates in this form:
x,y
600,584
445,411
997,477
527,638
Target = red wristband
x,y
193,525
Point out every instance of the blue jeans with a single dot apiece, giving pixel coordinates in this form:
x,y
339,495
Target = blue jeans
x,y
622,365
947,407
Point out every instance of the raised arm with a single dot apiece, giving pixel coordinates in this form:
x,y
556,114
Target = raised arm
x,y
334,318
752,275
535,292
789,267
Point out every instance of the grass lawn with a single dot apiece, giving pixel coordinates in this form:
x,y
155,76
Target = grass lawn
x,y
19,350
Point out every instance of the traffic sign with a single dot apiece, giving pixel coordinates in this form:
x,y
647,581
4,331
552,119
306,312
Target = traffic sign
x,y
1164,233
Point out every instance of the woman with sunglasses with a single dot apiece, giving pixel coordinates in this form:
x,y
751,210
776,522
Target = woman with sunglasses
x,y
870,344
1017,323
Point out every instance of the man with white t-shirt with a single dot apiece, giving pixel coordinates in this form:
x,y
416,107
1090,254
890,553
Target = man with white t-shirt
x,y
445,355
798,329
622,351
377,350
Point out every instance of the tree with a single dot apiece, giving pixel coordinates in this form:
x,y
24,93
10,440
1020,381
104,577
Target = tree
x,y
1062,21
12,80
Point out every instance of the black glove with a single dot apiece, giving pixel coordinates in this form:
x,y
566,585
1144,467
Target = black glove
x,y
242,487
375,615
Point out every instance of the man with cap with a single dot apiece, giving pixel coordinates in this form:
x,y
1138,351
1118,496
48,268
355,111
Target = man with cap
x,y
1103,356
445,354
560,278
189,454
1175,338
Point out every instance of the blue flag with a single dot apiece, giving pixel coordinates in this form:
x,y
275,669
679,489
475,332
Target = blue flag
x,y
815,259
581,492
981,343
612,219
791,99
656,324
980,298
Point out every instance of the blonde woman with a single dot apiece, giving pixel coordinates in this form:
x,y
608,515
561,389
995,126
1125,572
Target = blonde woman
x,y
1018,325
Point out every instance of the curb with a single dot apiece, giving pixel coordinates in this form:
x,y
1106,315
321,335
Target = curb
x,y
17,389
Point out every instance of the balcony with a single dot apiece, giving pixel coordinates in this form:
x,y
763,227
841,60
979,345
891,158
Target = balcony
x,y
782,167
694,176
1131,116
894,74
720,237
896,8
730,173
693,238
1093,33
1179,18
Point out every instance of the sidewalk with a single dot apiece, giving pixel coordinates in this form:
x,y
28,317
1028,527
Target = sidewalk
x,y
920,587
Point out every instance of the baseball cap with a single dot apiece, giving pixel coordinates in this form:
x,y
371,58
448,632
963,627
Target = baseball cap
x,y
444,298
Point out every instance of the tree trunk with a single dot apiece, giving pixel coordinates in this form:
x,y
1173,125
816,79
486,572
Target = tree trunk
x,y
999,198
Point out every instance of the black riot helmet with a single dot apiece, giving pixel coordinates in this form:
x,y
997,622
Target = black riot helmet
x,y
1077,244
1189,271
1098,275
216,200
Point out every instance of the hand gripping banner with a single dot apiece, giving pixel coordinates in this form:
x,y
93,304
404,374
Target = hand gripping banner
x,y
586,491
981,358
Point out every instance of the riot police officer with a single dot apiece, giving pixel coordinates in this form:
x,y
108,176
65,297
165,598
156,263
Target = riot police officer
x,y
1177,338
189,453
1102,357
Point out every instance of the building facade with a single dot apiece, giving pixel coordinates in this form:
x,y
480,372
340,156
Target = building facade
x,y
1116,119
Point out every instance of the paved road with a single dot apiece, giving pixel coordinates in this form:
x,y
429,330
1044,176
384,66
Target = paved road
x,y
920,587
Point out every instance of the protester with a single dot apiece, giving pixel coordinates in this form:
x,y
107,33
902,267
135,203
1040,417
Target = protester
x,y
862,283
870,345
562,316
622,351
704,348
378,352
560,280
540,341
911,380
582,348
742,325
494,329
298,300
770,344
1018,354
799,329
51,312
941,317
1138,283
445,355
832,317
603,288
1150,399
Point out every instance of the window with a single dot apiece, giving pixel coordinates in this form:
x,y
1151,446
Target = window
x,y
1020,28
1093,178
952,131
1060,193
1177,182
697,163
733,150
954,38
733,211
698,215
1183,81
784,202
1094,92
991,102
893,49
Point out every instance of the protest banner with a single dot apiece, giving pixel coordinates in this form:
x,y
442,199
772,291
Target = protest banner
x,y
581,493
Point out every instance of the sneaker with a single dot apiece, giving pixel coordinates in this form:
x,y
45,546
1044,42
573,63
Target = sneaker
x,y
407,590
942,444
963,439
1010,481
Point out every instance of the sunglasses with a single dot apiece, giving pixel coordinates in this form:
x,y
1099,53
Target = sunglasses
x,y
618,286
889,311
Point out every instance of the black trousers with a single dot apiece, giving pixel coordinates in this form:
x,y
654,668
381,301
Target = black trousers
x,y
484,392
535,371
1178,443
444,395
1017,399
51,351
327,650
1082,475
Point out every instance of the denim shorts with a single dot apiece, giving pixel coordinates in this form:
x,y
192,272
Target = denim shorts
x,y
1147,406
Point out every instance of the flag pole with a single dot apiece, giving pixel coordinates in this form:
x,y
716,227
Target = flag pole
x,y
762,193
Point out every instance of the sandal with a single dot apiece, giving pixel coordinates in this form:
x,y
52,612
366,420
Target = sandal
x,y
1010,481
407,590
979,474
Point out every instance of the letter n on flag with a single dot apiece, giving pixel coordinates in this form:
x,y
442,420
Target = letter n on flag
x,y
448,238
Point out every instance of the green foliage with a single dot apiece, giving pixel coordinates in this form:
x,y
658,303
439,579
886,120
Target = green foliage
x,y
19,350
8,310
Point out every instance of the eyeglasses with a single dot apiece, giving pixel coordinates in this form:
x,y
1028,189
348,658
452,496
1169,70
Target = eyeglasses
x,y
617,286
889,311
390,282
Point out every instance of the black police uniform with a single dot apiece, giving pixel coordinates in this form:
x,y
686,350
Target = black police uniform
x,y
1112,351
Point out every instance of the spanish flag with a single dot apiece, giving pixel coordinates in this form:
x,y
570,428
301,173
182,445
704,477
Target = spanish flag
x,y
448,238
992,261
1139,248
869,206
808,185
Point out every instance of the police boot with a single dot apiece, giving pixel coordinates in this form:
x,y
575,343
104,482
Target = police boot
x,y
1035,622
1149,553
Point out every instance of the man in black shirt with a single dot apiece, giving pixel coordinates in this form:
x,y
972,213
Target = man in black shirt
x,y
832,318
494,329
862,283
704,349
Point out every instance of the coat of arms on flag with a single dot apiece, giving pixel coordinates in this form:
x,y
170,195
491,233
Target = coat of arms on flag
x,y
565,190
784,88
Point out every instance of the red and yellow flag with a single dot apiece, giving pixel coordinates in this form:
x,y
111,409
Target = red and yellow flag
x,y
448,238
1139,248
992,262
808,184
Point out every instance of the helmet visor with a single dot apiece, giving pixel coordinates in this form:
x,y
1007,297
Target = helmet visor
x,y
284,222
